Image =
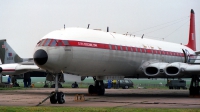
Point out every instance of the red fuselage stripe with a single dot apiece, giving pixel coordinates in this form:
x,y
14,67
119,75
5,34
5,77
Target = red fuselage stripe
x,y
117,47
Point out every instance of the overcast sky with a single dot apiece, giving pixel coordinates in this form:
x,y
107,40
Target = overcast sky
x,y
24,22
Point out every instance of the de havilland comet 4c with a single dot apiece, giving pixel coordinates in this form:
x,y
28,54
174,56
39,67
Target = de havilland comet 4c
x,y
106,55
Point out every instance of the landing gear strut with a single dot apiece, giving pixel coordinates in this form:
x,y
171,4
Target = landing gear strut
x,y
98,88
58,96
194,86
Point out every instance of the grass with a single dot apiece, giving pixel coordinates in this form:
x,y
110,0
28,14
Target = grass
x,y
90,109
146,83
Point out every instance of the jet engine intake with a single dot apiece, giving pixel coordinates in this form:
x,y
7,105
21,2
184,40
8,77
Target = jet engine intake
x,y
155,69
151,71
180,69
172,70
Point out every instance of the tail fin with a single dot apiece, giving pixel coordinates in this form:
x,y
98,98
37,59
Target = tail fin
x,y
7,54
192,36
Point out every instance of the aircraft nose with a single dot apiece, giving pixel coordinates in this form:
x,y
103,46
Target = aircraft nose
x,y
1,69
40,57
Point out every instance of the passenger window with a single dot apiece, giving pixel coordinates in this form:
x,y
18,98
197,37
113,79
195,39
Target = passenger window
x,y
163,52
145,50
110,47
136,49
113,47
116,47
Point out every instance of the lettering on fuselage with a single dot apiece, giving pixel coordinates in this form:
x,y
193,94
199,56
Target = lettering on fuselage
x,y
87,44
9,58
67,49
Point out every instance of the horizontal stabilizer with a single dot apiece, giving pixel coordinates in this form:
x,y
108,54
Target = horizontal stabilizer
x,y
197,52
28,68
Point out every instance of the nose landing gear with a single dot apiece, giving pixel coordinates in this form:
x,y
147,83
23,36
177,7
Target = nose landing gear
x,y
55,96
58,96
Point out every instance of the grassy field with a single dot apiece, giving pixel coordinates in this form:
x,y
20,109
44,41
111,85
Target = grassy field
x,y
90,109
146,83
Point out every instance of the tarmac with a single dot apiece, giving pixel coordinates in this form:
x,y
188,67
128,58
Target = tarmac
x,y
128,98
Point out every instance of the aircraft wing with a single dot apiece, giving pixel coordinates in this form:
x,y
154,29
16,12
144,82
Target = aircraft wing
x,y
159,69
17,68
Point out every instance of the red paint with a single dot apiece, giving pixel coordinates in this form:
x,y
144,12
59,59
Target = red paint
x,y
192,35
113,47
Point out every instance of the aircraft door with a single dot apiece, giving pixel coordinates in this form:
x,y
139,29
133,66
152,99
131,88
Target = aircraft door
x,y
186,56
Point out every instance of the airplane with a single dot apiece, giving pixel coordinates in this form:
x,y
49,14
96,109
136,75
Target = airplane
x,y
106,55
12,64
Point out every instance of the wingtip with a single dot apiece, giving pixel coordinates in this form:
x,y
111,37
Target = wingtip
x,y
192,11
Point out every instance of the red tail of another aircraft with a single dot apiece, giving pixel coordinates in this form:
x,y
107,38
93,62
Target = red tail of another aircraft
x,y
192,36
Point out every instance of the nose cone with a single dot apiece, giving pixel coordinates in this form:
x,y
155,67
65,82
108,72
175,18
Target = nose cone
x,y
1,69
40,57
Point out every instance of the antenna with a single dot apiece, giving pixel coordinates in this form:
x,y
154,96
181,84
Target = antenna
x,y
88,26
64,26
107,29
142,36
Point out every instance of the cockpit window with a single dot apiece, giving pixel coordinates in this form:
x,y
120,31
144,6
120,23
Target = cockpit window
x,y
47,42
59,43
42,42
65,42
38,43
53,43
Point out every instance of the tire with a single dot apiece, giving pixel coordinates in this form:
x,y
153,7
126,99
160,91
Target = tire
x,y
126,87
53,86
91,89
73,85
101,91
61,97
53,99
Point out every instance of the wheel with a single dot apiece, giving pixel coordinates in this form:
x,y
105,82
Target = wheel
x,y
91,89
53,86
53,98
46,86
59,85
101,90
61,97
73,85
126,87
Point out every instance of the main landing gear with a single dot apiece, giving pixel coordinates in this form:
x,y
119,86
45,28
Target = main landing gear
x,y
194,86
57,96
98,87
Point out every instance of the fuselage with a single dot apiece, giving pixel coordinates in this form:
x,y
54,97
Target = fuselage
x,y
87,52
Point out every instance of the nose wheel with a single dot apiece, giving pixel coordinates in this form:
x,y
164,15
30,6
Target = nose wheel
x,y
57,97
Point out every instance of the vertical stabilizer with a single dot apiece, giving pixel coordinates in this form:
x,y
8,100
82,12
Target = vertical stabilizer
x,y
7,54
192,36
